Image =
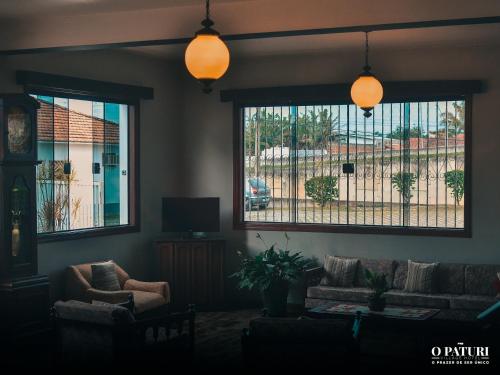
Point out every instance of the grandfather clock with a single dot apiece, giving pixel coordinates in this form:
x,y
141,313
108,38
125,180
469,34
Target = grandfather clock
x,y
24,295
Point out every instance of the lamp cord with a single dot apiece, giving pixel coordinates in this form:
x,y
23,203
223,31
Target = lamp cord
x,y
366,48
207,9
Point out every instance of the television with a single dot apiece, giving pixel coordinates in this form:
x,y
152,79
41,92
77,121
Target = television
x,y
191,215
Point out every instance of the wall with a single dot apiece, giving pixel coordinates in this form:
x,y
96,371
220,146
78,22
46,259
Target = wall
x,y
208,131
159,124
186,149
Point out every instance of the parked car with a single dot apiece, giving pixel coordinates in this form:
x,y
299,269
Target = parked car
x,y
257,194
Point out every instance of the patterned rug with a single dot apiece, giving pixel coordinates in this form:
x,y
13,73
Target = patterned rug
x,y
218,339
218,336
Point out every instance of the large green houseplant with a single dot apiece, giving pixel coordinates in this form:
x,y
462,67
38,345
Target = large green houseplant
x,y
271,272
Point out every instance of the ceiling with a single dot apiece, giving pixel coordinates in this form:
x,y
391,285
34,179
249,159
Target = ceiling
x,y
16,9
32,24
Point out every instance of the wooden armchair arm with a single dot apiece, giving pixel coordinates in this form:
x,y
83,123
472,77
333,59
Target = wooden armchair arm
x,y
160,287
119,296
313,275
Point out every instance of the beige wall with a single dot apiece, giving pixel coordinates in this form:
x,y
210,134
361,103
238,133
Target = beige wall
x,y
186,149
208,130
159,157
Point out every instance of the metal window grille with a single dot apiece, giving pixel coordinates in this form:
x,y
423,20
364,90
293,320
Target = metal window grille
x,y
407,163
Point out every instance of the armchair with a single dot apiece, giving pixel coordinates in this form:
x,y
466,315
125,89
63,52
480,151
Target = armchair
x,y
146,296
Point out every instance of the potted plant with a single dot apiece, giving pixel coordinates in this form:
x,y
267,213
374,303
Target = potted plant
x,y
271,272
378,283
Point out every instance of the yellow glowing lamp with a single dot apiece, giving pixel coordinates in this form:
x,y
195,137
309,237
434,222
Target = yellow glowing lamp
x,y
367,91
207,56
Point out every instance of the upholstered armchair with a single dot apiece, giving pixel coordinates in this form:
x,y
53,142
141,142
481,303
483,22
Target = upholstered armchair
x,y
146,296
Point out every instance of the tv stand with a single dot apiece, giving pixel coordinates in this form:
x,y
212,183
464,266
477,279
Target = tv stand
x,y
190,235
194,269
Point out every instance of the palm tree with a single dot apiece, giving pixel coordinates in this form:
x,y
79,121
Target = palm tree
x,y
454,119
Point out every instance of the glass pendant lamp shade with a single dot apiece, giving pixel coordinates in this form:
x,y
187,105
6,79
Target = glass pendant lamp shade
x,y
366,91
207,56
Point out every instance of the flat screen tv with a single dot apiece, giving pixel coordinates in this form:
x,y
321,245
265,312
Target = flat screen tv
x,y
190,215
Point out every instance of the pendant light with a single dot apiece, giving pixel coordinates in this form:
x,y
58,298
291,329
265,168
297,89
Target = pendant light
x,y
366,91
207,56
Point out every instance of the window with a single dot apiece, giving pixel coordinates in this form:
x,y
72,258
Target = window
x,y
88,148
326,167
83,176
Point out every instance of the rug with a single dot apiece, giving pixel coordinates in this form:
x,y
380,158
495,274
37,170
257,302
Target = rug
x,y
217,337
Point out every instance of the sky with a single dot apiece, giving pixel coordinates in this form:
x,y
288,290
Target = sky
x,y
386,116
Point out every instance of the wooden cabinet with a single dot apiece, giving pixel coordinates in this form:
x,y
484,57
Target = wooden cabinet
x,y
194,268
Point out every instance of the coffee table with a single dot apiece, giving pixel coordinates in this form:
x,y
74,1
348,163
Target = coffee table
x,y
380,329
336,309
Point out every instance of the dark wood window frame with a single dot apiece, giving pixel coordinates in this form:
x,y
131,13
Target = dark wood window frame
x,y
338,94
85,89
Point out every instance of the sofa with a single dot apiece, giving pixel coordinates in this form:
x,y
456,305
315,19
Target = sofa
x,y
147,297
468,287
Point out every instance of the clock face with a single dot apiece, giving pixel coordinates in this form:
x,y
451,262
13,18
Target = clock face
x,y
19,131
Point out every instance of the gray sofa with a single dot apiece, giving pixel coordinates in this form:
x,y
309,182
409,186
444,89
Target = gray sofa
x,y
460,286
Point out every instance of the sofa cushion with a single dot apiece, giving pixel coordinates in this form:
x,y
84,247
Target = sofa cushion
x,y
104,277
339,293
451,278
422,277
480,278
399,297
145,301
339,271
471,302
400,274
374,265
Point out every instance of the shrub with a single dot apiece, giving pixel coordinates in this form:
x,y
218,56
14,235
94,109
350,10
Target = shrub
x,y
455,181
322,189
403,182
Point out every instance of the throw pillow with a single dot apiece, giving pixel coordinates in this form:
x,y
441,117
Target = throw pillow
x,y
104,276
421,277
339,271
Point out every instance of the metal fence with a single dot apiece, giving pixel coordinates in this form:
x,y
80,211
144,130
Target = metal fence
x,y
404,166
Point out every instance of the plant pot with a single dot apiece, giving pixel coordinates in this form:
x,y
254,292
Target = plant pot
x,y
275,298
376,303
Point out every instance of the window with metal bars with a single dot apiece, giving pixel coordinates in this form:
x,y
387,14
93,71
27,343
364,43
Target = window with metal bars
x,y
327,167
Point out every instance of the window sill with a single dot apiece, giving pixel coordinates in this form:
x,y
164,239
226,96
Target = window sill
x,y
354,229
87,233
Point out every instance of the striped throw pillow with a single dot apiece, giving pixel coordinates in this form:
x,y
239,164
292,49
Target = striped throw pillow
x,y
339,271
104,277
422,277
